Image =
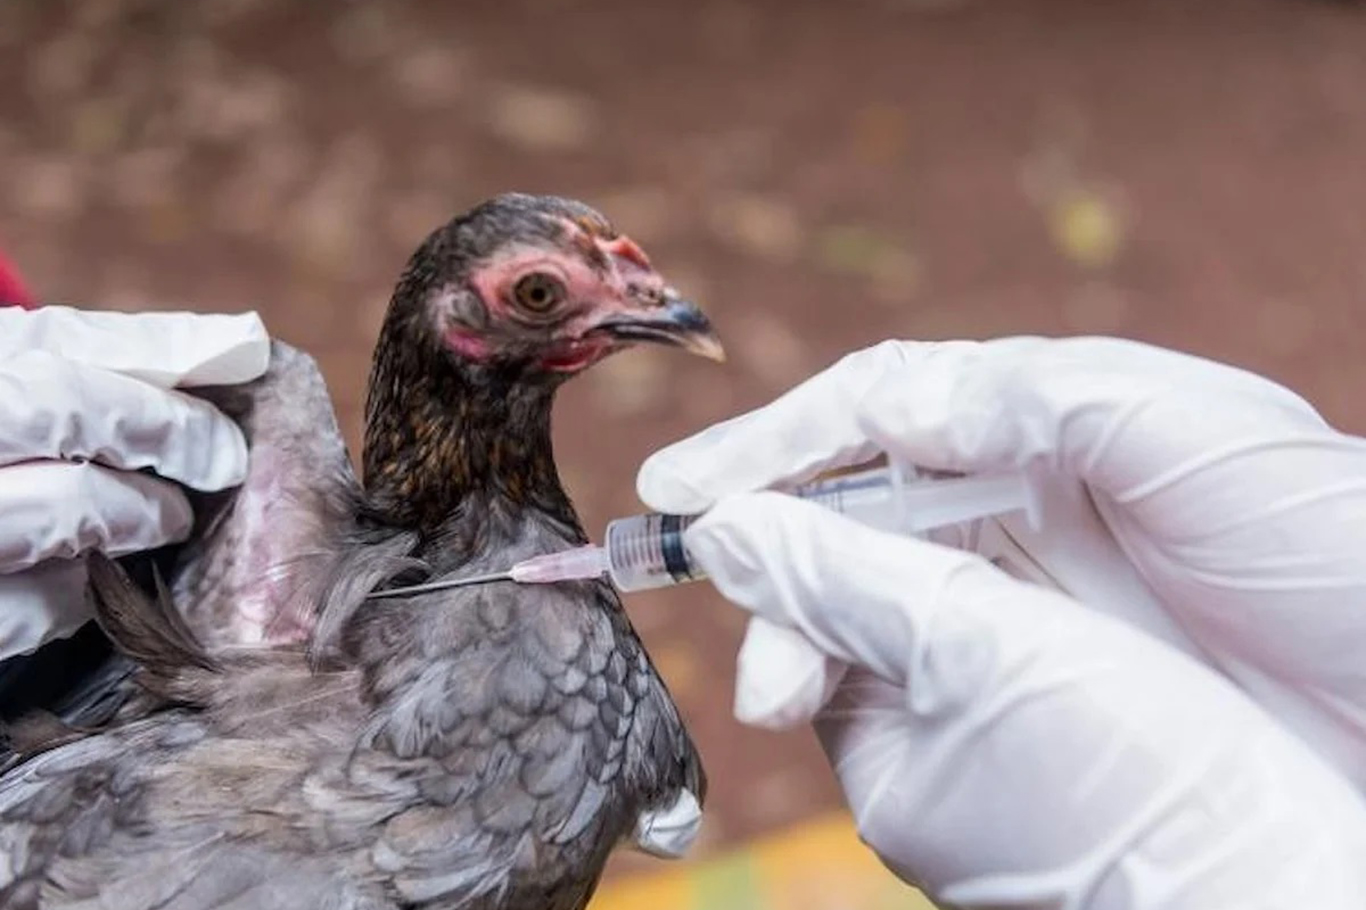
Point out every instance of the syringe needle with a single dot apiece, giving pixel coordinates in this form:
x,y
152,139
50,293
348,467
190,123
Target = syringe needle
x,y
575,564
441,585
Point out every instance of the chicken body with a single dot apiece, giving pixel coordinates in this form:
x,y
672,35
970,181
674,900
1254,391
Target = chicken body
x,y
291,744
489,754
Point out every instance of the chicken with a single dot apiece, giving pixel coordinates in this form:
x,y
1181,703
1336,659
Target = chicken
x,y
271,738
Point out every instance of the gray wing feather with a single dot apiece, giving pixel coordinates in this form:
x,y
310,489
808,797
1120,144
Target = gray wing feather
x,y
236,581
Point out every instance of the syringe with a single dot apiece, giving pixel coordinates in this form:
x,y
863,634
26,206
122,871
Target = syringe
x,y
647,551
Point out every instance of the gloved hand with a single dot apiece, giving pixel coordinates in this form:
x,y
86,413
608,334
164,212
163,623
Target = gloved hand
x,y
94,440
1002,743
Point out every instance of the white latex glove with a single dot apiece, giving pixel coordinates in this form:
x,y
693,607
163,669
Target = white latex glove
x,y
86,404
1001,743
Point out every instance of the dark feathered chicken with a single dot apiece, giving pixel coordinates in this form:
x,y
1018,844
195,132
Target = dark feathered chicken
x,y
294,745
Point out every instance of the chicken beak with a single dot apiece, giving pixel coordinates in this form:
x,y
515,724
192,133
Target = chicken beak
x,y
676,322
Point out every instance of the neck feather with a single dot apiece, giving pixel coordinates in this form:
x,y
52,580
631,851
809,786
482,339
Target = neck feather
x,y
451,448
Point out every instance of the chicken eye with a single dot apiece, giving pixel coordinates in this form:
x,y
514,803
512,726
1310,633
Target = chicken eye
x,y
538,292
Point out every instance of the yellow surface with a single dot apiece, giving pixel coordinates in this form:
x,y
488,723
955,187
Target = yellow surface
x,y
818,866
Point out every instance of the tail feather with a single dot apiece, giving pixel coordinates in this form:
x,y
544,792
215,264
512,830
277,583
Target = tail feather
x,y
148,630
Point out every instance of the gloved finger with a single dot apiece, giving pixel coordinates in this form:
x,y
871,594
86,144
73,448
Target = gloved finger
x,y
1115,413
668,831
898,606
56,408
809,429
782,679
41,604
163,349
56,509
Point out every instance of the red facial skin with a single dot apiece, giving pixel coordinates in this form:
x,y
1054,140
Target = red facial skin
x,y
576,355
602,277
467,344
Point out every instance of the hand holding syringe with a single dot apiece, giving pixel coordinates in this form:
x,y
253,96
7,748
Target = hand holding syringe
x,y
647,551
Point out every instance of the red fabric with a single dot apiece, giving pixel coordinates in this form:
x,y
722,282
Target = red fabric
x,y
12,289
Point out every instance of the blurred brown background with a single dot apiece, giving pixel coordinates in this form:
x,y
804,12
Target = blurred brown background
x,y
819,175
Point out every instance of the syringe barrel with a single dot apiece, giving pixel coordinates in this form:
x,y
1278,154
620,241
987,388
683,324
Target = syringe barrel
x,y
646,551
